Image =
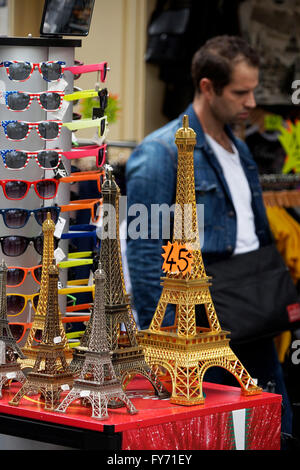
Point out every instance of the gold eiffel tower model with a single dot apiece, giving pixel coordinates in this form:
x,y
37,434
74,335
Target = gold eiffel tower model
x,y
97,383
10,369
50,373
128,356
30,349
185,350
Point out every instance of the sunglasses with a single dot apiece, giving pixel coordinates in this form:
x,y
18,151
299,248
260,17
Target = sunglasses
x,y
18,159
18,330
82,231
21,100
16,275
77,286
20,130
79,124
89,151
16,245
92,204
18,217
16,303
51,71
92,175
18,189
84,94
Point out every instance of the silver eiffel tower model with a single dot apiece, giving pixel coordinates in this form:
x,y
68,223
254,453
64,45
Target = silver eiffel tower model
x,y
97,383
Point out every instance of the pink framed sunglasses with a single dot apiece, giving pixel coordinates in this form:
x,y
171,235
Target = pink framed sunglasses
x,y
51,71
89,151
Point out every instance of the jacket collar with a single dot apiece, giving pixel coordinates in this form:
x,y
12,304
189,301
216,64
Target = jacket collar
x,y
201,141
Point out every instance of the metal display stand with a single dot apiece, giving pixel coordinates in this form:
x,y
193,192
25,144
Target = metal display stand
x,y
34,50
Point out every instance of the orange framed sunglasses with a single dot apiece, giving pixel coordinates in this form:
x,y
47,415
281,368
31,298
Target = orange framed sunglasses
x,y
92,175
16,275
93,204
19,329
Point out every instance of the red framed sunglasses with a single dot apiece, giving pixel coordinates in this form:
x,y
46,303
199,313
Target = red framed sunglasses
x,y
18,189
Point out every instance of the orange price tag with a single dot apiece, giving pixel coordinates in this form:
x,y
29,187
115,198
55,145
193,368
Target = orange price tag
x,y
177,258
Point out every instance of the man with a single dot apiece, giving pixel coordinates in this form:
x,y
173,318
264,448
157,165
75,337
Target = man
x,y
225,74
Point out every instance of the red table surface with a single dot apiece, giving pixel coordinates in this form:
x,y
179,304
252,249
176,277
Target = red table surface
x,y
151,410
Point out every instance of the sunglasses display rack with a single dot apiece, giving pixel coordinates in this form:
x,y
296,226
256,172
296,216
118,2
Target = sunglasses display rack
x,y
39,92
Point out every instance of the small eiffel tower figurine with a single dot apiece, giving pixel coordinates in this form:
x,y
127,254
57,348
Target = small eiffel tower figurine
x,y
97,382
184,349
128,356
50,373
30,349
9,350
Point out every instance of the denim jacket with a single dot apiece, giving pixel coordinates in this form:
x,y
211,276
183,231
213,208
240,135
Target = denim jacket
x,y
151,179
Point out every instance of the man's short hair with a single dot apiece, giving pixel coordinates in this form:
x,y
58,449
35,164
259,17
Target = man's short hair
x,y
216,59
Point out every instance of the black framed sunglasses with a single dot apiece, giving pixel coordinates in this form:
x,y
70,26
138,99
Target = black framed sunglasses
x,y
16,245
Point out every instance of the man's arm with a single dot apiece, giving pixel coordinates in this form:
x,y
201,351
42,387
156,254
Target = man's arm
x,y
151,181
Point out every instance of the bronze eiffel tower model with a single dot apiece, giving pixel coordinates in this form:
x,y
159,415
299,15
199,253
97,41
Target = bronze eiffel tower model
x,y
50,373
184,349
30,349
128,356
97,383
9,350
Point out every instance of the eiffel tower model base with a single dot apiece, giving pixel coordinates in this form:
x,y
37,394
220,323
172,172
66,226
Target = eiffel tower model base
x,y
97,390
188,358
10,371
48,378
49,387
129,362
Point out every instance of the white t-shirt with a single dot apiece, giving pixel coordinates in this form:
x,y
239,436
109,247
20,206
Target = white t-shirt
x,y
246,238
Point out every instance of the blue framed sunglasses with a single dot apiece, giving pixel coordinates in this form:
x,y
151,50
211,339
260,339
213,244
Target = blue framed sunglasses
x,y
18,217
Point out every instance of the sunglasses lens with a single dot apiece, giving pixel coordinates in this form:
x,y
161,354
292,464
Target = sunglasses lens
x,y
41,214
48,159
46,188
103,98
15,218
104,72
14,245
38,274
48,130
101,158
51,71
35,301
15,304
15,276
19,70
15,189
17,101
15,159
50,101
16,330
17,130
102,126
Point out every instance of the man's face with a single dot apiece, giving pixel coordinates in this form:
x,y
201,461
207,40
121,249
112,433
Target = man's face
x,y
237,98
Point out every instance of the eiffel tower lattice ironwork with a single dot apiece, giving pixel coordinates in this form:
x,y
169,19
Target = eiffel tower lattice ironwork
x,y
30,347
50,373
9,350
128,356
97,383
184,349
